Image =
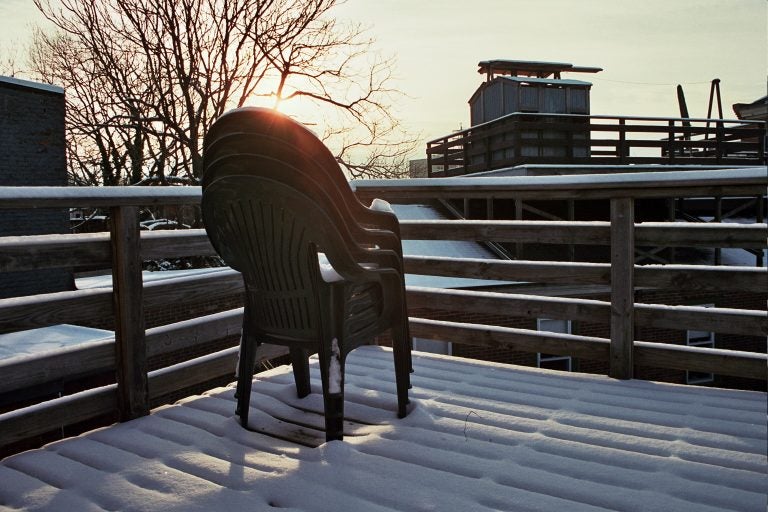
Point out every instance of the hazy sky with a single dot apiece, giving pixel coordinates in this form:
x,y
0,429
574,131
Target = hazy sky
x,y
645,47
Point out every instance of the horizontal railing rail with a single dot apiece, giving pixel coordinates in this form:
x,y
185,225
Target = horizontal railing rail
x,y
621,350
537,138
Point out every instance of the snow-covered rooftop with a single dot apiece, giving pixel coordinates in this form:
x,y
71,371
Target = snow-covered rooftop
x,y
444,248
46,339
480,437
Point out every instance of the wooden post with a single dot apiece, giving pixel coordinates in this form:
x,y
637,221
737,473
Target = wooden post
x,y
671,218
464,154
671,146
622,142
130,347
718,218
759,218
571,215
622,287
518,216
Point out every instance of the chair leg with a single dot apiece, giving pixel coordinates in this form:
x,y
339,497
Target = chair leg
x,y
402,354
332,373
410,343
245,378
240,365
300,362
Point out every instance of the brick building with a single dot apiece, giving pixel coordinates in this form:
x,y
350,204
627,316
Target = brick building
x,y
32,145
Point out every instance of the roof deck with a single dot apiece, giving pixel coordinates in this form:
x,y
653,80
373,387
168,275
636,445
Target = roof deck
x,y
525,138
479,436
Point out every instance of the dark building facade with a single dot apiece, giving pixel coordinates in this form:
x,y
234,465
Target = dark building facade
x,y
32,153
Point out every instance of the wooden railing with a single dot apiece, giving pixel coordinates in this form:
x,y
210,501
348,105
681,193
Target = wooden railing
x,y
124,248
527,138
125,355
622,234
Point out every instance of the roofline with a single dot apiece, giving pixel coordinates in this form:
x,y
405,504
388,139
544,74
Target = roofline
x,y
524,67
28,84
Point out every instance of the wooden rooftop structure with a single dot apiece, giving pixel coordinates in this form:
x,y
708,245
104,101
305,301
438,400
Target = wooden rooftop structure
x,y
535,69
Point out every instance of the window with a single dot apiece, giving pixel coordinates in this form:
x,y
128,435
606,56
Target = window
x,y
705,339
551,361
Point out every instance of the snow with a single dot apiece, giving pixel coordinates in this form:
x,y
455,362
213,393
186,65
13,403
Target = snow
x,y
444,248
96,194
327,272
105,280
381,205
46,339
572,169
335,378
479,436
651,179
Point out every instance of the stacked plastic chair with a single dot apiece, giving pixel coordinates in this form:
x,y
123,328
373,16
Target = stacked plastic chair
x,y
274,203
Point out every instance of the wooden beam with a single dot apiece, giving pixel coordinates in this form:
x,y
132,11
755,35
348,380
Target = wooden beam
x,y
721,320
704,278
33,311
217,365
527,271
53,415
54,251
88,305
175,244
622,287
750,365
681,234
682,277
507,337
130,346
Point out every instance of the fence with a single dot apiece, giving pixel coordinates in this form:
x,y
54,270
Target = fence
x,y
125,247
527,138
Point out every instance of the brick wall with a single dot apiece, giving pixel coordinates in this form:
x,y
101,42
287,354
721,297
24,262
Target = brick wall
x,y
32,152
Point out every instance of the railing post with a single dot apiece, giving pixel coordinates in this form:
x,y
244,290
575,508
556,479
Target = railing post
x,y
759,218
429,161
622,141
464,154
130,347
718,218
622,287
671,147
720,143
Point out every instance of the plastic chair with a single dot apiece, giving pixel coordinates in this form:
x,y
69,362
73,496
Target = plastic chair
x,y
271,232
253,132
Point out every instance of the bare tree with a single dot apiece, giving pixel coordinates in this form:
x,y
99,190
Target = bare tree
x,y
145,79
9,62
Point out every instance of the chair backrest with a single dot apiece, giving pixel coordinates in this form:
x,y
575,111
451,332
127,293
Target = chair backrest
x,y
253,130
271,233
256,141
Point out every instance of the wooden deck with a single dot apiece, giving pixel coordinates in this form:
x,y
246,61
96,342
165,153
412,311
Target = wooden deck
x,y
479,436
